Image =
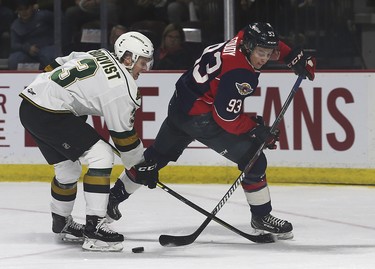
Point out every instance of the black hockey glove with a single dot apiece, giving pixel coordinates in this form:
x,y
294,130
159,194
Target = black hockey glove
x,y
301,63
147,173
261,133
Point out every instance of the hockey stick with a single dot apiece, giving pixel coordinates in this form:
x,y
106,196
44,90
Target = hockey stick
x,y
265,238
170,240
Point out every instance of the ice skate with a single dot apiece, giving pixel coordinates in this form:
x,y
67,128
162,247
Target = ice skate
x,y
99,237
67,229
268,223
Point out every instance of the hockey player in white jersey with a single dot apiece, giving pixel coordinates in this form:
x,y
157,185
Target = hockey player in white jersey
x,y
54,108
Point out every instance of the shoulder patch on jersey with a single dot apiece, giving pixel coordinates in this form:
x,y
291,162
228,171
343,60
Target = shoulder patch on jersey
x,y
31,91
244,88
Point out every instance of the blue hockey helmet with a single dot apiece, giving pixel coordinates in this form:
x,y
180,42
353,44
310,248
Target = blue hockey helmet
x,y
259,34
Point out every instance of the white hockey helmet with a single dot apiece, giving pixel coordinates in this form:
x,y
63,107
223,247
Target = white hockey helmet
x,y
136,43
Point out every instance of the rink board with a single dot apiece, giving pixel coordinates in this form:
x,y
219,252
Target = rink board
x,y
328,133
210,174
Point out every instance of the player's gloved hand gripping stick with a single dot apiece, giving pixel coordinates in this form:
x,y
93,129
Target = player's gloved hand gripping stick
x,y
170,240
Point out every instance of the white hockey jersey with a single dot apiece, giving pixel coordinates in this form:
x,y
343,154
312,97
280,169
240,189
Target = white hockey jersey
x,y
93,83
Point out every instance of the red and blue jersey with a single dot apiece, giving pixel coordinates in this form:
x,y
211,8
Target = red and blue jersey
x,y
218,83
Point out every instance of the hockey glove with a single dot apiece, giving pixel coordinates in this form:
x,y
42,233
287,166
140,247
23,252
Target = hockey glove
x,y
258,120
146,173
261,133
302,64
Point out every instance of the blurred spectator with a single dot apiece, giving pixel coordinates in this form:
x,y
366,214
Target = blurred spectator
x,y
173,53
180,11
153,29
49,4
65,34
133,11
160,10
6,18
116,31
244,12
87,12
211,13
249,11
32,39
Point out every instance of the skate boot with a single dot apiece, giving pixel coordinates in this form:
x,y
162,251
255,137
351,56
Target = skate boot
x,y
268,223
67,229
99,237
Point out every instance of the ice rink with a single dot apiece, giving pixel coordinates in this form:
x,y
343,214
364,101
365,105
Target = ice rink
x,y
334,227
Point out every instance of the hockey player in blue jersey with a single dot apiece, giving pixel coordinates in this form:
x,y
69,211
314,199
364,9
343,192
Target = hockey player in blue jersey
x,y
207,106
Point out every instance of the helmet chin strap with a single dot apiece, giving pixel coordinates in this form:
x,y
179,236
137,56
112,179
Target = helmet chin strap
x,y
130,70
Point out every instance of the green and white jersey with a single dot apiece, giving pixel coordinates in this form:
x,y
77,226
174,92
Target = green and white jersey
x,y
92,83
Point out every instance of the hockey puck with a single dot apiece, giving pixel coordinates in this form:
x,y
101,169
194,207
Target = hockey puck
x,y
138,249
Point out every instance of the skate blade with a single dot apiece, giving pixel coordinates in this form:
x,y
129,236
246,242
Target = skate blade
x,y
68,238
279,236
98,245
284,236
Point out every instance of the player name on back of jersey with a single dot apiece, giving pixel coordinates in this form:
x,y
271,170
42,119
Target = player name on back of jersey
x,y
230,47
107,63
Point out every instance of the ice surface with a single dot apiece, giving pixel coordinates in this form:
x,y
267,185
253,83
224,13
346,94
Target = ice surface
x,y
334,227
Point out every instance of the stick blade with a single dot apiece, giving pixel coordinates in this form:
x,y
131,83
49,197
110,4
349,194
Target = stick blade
x,y
263,238
175,241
